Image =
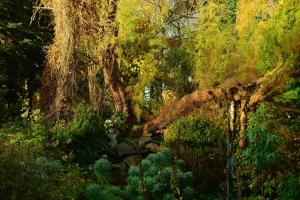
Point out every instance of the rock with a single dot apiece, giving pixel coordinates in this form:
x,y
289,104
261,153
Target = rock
x,y
152,147
112,135
125,149
118,174
131,160
143,141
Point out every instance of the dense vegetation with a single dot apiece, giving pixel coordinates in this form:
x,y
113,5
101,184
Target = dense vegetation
x,y
149,99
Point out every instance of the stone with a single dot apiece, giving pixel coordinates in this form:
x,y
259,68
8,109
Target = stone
x,y
119,173
124,149
152,147
131,160
144,141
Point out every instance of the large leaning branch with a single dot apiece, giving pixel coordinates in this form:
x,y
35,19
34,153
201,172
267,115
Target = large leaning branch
x,y
272,84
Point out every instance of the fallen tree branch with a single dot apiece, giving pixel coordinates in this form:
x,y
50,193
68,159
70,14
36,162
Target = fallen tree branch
x,y
272,84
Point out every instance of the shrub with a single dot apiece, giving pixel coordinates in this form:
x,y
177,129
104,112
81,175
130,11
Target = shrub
x,y
83,139
289,188
158,178
34,136
201,145
261,154
26,175
261,151
25,171
103,190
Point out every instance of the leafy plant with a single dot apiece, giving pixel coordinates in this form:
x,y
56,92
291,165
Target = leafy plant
x,y
103,190
261,152
201,144
83,138
26,175
158,178
289,188
101,170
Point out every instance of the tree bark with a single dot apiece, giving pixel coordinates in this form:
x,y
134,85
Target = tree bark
x,y
95,90
112,80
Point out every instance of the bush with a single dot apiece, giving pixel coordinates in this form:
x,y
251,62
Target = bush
x,y
158,178
289,188
261,151
103,190
35,136
202,145
25,171
83,139
26,176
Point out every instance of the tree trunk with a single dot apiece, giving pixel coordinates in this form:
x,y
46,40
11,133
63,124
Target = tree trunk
x,y
58,81
109,64
112,80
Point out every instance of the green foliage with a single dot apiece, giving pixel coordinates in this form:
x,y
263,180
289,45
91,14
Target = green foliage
x,y
280,43
151,57
104,191
233,8
194,133
157,178
289,188
261,154
215,43
261,151
201,145
292,94
93,192
83,139
21,56
86,120
35,136
27,175
164,47
127,16
102,169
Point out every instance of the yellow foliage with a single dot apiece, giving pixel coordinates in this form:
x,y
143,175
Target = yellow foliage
x,y
168,97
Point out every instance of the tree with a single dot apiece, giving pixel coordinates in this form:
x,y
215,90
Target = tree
x,y
285,63
21,56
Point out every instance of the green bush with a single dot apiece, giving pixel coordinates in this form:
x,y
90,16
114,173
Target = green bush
x,y
289,188
34,136
83,139
201,145
291,96
261,151
259,158
24,175
103,190
26,172
158,178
